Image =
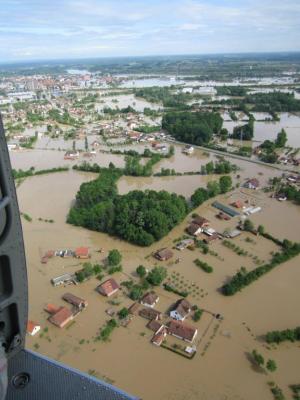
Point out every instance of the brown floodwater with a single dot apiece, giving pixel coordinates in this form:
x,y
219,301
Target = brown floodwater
x,y
264,130
220,369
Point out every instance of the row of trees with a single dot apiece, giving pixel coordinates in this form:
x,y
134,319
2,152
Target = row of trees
x,y
231,90
213,189
290,335
17,174
220,167
266,102
244,278
275,101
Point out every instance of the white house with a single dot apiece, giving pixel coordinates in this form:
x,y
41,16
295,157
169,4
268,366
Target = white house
x,y
32,328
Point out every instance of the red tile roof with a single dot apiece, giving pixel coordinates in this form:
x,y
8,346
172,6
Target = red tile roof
x,y
74,300
62,317
159,337
82,252
30,326
182,330
51,308
154,325
200,221
108,287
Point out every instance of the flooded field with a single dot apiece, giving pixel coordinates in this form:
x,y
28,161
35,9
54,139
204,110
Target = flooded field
x,y
129,360
269,129
43,159
126,100
138,368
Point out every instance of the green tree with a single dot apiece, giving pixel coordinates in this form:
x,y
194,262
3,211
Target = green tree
x,y
258,358
114,257
248,225
281,139
141,271
157,275
261,229
123,313
199,196
136,292
86,144
80,276
271,365
210,167
97,269
171,151
225,183
197,314
213,189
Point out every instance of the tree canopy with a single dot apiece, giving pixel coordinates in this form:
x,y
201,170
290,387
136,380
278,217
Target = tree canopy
x,y
138,217
192,127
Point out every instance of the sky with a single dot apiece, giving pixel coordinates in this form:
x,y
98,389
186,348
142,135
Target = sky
x,y
66,29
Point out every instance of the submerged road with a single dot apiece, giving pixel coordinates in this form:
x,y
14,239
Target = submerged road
x,y
280,167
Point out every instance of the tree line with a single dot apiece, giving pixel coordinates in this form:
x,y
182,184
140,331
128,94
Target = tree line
x,y
244,278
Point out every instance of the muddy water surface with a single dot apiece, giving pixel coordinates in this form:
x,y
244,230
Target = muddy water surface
x,y
221,368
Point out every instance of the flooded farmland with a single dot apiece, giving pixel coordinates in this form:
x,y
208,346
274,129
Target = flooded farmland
x,y
264,130
139,362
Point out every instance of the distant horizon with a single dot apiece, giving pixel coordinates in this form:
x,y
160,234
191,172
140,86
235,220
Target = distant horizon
x,y
104,57
36,30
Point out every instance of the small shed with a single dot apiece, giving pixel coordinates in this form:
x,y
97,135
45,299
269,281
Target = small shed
x,y
163,254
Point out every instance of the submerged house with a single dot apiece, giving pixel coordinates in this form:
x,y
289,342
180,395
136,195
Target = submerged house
x,y
108,288
182,331
149,299
75,301
82,252
163,254
62,317
194,229
181,310
150,313
32,328
252,183
64,279
71,155
59,316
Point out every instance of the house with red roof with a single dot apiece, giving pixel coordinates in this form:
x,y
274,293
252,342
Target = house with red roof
x,y
62,317
32,328
108,288
181,330
82,252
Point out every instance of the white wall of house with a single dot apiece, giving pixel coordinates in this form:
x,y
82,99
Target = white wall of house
x,y
175,315
35,330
